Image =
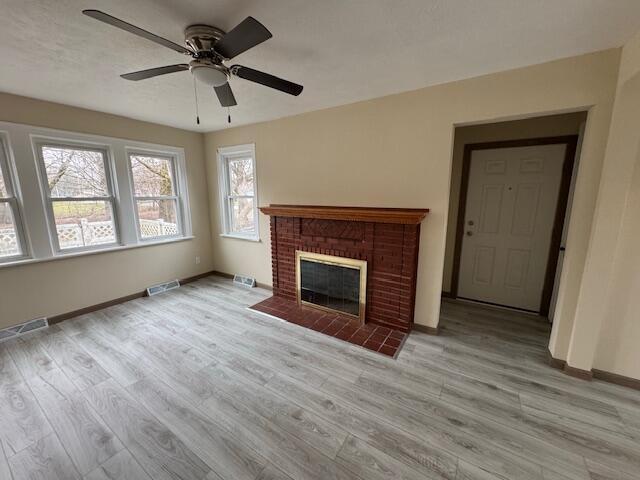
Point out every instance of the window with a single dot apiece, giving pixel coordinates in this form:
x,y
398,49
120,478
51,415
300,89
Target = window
x,y
155,195
78,192
238,197
87,194
11,238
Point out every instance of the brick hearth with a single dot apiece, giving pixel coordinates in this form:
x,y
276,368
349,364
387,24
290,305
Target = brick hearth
x,y
373,337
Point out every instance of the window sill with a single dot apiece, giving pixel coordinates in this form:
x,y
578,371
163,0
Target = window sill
x,y
98,251
241,237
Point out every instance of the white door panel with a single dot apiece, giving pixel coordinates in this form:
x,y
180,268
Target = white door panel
x,y
511,204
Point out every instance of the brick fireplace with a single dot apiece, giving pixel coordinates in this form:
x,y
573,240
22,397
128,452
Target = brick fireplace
x,y
387,239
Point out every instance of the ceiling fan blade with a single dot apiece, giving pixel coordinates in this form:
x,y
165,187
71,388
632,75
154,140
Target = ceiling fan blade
x,y
116,22
247,34
225,95
154,72
267,80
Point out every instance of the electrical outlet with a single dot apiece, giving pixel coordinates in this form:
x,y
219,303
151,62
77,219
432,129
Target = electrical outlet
x,y
197,260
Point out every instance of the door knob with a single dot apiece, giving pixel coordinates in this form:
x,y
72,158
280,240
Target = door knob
x,y
469,233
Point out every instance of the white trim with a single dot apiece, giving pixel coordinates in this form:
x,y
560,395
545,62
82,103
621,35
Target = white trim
x,y
224,154
180,195
21,149
237,236
39,142
8,173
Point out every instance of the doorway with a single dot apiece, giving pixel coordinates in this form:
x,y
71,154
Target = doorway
x,y
511,216
511,208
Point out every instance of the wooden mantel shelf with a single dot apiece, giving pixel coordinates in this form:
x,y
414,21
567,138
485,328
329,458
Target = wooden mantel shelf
x,y
407,216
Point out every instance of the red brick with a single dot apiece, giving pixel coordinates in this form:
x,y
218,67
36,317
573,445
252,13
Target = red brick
x,y
392,342
372,345
388,350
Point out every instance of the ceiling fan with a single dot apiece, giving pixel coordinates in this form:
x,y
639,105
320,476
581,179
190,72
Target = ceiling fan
x,y
210,48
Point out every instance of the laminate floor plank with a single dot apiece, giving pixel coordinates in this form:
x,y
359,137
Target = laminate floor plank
x,y
299,422
602,472
631,420
29,356
492,391
270,357
149,361
562,433
5,473
120,367
422,455
443,422
607,420
22,422
193,384
122,466
230,459
46,459
436,418
239,363
468,471
158,450
321,362
373,464
83,434
79,366
80,324
149,341
294,456
9,372
272,473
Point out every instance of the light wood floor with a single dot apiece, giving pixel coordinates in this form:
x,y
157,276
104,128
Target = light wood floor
x,y
192,385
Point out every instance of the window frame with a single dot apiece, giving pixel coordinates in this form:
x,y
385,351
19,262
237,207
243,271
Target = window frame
x,y
177,196
226,154
32,215
112,198
13,199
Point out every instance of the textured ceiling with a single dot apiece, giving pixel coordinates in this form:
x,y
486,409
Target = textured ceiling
x,y
342,51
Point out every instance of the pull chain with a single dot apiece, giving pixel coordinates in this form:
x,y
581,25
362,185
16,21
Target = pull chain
x,y
195,93
228,115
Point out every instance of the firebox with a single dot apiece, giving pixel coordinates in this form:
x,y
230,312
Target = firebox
x,y
328,282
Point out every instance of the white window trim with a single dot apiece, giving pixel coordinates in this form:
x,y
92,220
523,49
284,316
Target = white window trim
x,y
39,246
223,155
13,199
39,143
178,184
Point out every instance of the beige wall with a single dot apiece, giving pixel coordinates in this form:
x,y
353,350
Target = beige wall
x,y
396,151
548,126
63,285
606,332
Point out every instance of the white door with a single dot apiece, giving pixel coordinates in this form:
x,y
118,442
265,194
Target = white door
x,y
511,204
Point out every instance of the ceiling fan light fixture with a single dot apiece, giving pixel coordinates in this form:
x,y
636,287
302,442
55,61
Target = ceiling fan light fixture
x,y
209,74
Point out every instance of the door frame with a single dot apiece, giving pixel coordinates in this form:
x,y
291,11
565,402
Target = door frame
x,y
571,142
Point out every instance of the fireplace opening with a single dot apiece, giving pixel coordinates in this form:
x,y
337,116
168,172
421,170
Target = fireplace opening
x,y
332,283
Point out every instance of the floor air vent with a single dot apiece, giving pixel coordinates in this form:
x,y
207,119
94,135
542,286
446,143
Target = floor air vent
x,y
244,281
163,287
19,330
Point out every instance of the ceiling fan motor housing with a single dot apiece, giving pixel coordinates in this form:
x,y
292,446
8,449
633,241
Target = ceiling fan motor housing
x,y
207,67
202,38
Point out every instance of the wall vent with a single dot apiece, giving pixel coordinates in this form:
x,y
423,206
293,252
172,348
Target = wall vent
x,y
244,281
163,287
19,330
